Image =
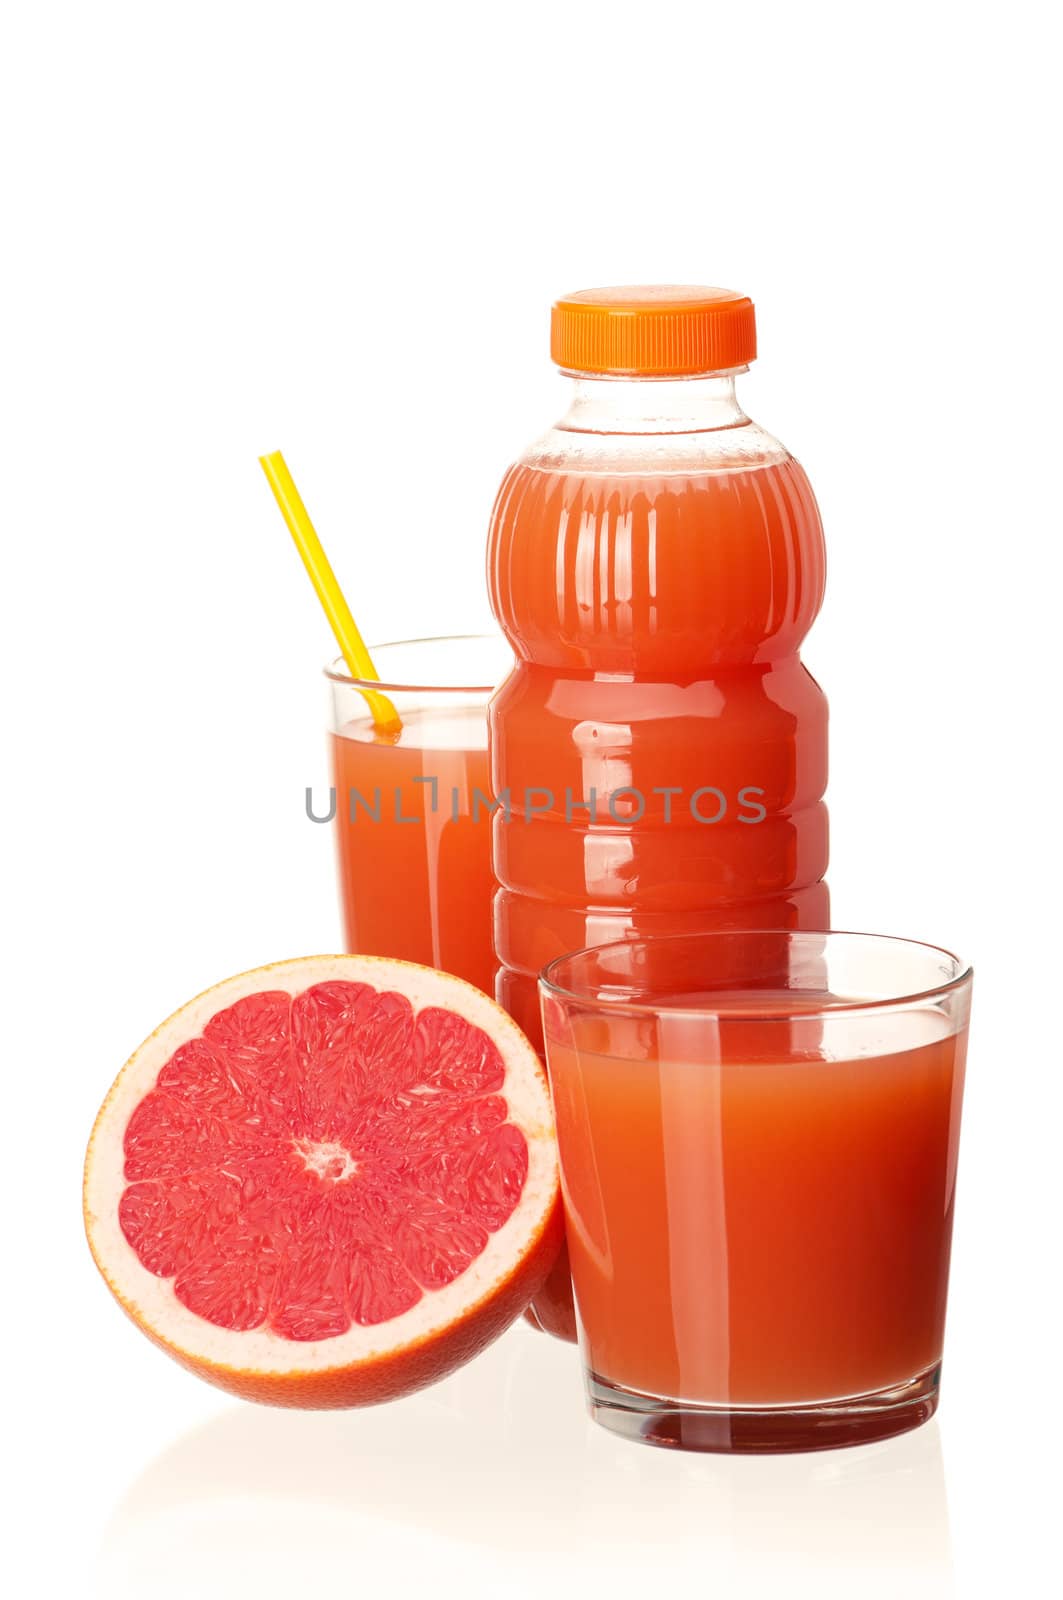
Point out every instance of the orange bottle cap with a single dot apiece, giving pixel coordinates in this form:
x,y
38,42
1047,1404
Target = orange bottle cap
x,y
661,330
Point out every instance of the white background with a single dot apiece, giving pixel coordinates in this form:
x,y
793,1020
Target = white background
x,y
337,229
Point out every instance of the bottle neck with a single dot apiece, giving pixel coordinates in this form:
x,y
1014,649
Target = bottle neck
x,y
654,405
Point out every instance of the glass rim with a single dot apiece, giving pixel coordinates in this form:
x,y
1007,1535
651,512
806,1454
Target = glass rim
x,y
336,670
615,1005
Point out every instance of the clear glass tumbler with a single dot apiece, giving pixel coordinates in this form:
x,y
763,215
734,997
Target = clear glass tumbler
x,y
758,1136
412,810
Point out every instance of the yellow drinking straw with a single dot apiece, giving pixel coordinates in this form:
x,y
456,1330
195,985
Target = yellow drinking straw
x,y
352,645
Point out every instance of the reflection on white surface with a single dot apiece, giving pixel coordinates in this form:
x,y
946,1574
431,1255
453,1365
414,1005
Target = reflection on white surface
x,y
497,1475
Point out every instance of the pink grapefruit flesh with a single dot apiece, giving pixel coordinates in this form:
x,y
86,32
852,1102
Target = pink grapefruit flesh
x,y
327,1182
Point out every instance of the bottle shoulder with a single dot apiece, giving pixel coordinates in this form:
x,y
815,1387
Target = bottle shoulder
x,y
742,448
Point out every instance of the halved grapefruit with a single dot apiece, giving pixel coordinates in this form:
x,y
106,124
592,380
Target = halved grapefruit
x,y
326,1182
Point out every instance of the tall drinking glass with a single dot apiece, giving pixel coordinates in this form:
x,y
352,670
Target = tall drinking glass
x,y
758,1136
412,812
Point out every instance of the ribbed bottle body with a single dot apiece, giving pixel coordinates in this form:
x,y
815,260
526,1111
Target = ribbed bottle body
x,y
660,751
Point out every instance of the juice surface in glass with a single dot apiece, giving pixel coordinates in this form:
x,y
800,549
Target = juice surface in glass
x,y
655,562
764,1229
416,881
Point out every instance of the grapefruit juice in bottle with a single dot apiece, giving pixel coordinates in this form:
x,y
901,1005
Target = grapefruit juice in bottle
x,y
655,561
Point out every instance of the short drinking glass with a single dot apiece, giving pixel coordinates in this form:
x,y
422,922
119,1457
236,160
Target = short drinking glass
x,y
758,1136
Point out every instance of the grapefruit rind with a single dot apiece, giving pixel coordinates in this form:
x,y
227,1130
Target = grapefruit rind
x,y
367,1363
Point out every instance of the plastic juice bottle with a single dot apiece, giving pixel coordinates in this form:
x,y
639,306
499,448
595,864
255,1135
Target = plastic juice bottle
x,y
655,560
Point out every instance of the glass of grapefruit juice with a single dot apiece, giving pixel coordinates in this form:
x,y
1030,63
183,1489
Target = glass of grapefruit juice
x,y
412,808
758,1136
